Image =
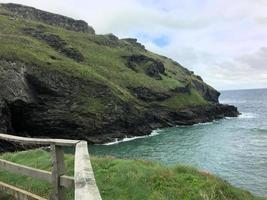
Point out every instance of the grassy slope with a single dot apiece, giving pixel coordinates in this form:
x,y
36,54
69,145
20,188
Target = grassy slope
x,y
103,62
131,179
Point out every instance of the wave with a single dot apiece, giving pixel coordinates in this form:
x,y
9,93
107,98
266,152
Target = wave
x,y
198,124
127,139
205,123
229,118
247,116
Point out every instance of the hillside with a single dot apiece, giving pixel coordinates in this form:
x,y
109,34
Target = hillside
x,y
130,179
60,79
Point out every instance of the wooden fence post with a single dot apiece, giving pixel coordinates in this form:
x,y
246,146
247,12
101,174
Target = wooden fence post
x,y
85,184
58,169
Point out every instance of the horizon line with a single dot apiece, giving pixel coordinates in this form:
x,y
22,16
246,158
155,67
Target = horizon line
x,y
242,89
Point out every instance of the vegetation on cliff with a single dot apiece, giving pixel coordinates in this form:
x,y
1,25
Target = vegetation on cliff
x,y
60,79
130,179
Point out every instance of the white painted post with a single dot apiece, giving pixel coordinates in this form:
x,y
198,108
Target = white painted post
x,y
58,169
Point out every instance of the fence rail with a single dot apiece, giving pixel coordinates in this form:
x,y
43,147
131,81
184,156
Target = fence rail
x,y
83,180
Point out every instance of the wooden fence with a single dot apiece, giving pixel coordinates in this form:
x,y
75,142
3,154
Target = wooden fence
x,y
83,180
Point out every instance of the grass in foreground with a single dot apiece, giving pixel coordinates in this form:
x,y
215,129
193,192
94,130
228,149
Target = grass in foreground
x,y
119,179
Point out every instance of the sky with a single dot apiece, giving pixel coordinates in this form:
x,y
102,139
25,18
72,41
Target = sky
x,y
223,41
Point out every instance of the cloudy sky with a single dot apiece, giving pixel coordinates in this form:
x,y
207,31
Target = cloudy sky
x,y
224,41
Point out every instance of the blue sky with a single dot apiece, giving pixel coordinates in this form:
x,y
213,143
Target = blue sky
x,y
224,41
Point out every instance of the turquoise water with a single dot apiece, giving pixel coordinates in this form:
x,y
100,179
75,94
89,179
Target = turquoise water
x,y
233,148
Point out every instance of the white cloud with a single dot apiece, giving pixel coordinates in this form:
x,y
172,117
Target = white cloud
x,y
222,40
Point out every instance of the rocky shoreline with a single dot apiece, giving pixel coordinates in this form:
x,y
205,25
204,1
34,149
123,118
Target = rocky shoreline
x,y
163,119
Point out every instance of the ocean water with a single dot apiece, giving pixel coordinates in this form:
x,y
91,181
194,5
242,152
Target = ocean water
x,y
232,148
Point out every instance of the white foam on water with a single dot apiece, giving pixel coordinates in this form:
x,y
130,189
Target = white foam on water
x,y
198,124
204,123
229,117
127,139
156,132
247,116
116,141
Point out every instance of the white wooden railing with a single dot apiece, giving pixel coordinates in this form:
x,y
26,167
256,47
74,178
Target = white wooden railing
x,y
83,180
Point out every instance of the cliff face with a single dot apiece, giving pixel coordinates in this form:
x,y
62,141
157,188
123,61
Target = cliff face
x,y
59,79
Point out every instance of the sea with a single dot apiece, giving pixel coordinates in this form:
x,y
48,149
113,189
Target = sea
x,y
234,149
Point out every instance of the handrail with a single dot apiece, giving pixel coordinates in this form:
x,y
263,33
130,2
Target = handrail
x,y
85,185
84,175
38,141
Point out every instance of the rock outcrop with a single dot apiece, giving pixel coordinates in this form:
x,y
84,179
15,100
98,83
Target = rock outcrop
x,y
206,91
49,18
55,42
149,95
134,42
153,68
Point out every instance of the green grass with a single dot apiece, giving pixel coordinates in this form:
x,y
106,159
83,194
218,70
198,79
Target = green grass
x,y
6,197
180,101
130,179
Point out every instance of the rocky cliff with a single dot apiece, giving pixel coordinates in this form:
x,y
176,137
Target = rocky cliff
x,y
30,13
59,79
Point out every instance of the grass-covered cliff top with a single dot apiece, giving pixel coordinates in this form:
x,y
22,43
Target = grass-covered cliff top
x,y
121,64
130,179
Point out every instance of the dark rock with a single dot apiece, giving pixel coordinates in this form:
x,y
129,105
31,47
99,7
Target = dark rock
x,y
134,60
13,147
182,90
153,67
196,114
206,91
149,95
134,42
131,40
46,104
138,58
199,78
73,53
48,18
184,70
112,37
109,40
5,119
53,57
56,42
